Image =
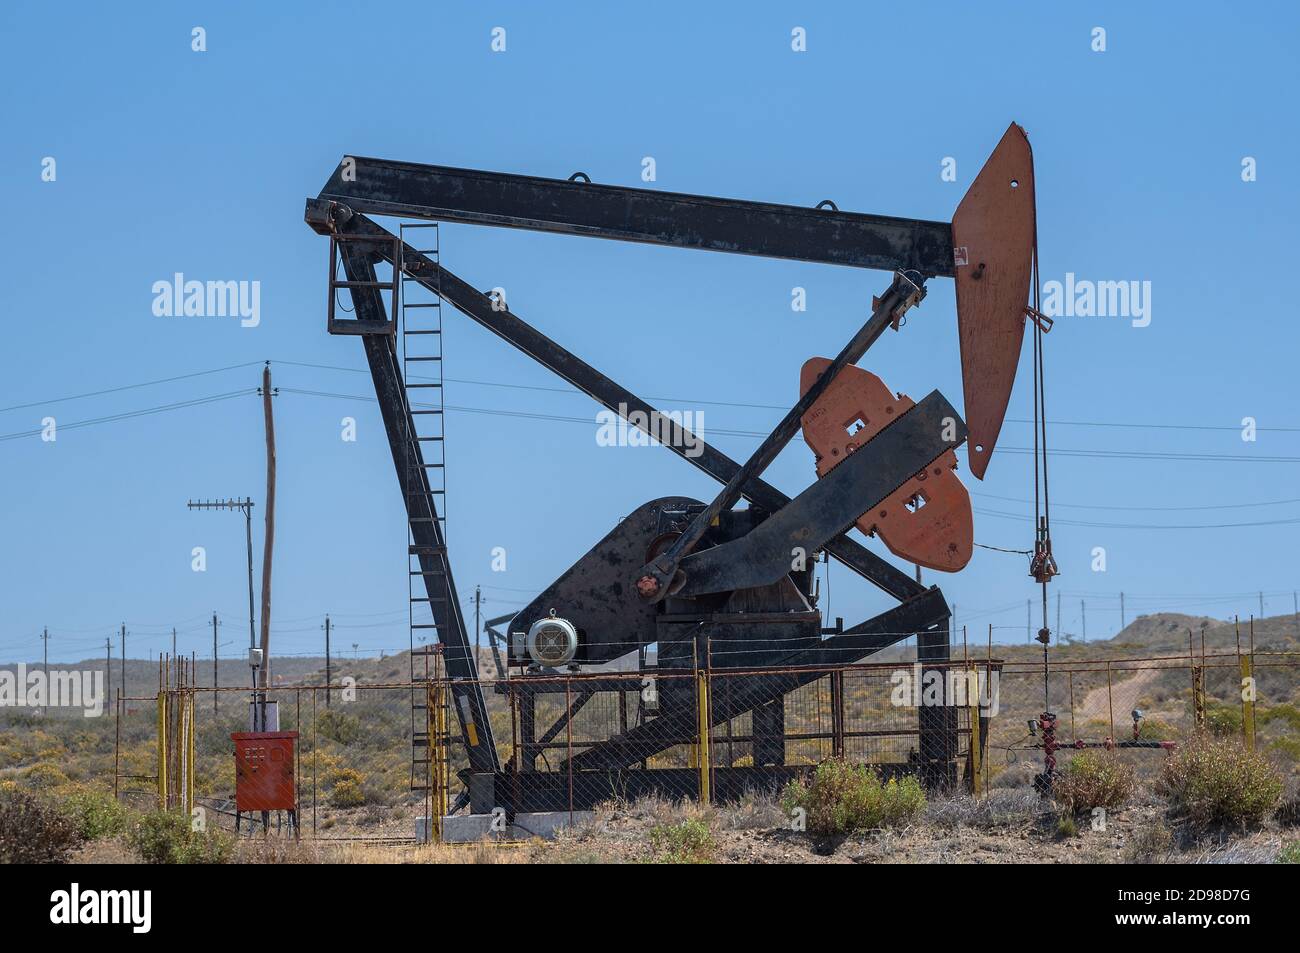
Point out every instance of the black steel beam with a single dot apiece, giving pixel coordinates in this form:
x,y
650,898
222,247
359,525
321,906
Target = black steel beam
x,y
858,484
523,336
426,531
660,575
385,187
926,612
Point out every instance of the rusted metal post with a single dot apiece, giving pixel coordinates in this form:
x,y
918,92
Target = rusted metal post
x,y
1110,701
976,743
162,748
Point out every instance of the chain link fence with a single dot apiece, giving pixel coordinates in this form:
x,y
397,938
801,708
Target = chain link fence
x,y
388,762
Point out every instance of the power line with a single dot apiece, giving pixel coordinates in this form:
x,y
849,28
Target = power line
x,y
115,390
143,412
1143,526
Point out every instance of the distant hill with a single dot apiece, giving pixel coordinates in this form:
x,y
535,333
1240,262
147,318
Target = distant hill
x,y
1166,630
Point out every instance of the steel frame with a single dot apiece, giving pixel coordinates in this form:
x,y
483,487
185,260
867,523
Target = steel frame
x,y
549,205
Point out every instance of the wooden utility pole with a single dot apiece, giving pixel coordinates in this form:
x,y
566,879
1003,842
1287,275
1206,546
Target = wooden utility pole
x,y
45,638
215,693
122,691
108,664
327,660
269,541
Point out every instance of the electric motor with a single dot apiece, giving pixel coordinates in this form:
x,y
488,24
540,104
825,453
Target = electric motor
x,y
552,641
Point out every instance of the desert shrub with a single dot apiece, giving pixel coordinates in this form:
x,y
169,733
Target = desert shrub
x,y
687,842
168,837
94,811
33,830
843,797
1290,853
347,788
338,727
1092,780
1066,826
1288,746
1156,729
1149,844
45,776
1284,712
1000,808
1216,781
1223,720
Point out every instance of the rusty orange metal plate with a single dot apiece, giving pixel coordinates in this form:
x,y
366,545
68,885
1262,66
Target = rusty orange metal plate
x,y
928,519
264,776
993,242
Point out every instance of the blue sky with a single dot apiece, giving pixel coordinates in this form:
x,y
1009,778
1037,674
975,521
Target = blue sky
x,y
173,160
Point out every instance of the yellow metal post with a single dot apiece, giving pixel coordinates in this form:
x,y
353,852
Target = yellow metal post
x,y
438,760
1247,703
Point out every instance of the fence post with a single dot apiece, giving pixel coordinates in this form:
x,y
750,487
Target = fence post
x,y
705,759
189,758
976,743
1110,701
1247,703
162,749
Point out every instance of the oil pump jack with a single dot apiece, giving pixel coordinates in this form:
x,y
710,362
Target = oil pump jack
x,y
676,571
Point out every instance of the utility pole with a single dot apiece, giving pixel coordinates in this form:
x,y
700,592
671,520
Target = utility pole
x,y
215,693
354,649
108,663
122,691
478,601
1121,612
1261,605
173,642
327,660
45,637
268,541
1083,619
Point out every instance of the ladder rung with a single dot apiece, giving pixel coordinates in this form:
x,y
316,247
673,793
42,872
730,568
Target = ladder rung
x,y
429,466
424,625
426,411
423,331
412,386
430,438
427,599
417,549
409,359
426,572
420,304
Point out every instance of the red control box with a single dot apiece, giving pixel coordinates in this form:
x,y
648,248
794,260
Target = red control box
x,y
264,775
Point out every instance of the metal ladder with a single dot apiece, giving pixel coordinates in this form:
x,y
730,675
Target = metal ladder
x,y
421,338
